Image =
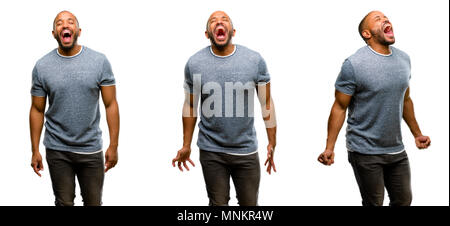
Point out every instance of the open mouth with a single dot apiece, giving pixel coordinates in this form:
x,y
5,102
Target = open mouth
x,y
220,33
66,36
388,30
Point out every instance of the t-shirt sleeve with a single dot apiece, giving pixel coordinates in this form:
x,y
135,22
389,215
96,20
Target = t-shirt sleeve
x,y
37,88
107,76
409,61
263,75
188,81
346,82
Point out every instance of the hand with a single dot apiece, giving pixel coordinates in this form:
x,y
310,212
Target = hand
x,y
423,142
36,162
327,157
111,158
183,155
269,162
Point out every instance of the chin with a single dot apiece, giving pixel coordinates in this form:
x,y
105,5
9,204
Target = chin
x,y
67,47
222,44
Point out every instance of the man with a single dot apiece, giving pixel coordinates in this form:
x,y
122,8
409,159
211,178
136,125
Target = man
x,y
226,75
71,76
374,85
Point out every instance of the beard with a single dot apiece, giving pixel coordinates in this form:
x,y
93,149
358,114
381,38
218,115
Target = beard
x,y
67,48
220,46
378,34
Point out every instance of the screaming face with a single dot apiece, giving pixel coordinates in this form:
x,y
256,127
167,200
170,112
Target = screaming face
x,y
381,28
66,30
220,30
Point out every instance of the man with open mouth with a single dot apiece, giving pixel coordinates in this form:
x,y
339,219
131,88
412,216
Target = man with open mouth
x,y
71,77
224,77
374,85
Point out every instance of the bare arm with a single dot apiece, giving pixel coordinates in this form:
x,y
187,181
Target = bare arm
x,y
36,124
410,119
269,117
113,120
335,122
189,119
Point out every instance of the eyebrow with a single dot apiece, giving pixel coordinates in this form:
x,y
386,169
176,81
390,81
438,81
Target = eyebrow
x,y
214,17
378,16
58,20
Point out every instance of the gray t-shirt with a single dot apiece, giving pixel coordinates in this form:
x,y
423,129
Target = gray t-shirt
x,y
377,84
226,103
72,85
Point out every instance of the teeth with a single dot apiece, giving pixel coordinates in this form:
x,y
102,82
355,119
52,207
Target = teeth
x,y
66,32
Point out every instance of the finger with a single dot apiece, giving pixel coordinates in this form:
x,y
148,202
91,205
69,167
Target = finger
x,y
273,166
192,162
176,158
428,142
36,169
113,164
418,145
325,159
268,169
179,166
185,165
320,158
107,167
40,165
173,161
107,163
267,160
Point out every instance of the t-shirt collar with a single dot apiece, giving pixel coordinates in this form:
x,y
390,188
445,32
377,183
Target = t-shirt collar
x,y
79,52
231,54
385,55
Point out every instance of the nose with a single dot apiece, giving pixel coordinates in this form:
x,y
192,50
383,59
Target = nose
x,y
65,25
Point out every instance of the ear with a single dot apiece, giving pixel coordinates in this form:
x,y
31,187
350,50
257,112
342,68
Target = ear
x,y
79,32
206,34
234,32
366,34
54,34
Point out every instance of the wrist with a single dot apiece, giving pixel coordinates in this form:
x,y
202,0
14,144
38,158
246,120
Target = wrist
x,y
186,144
113,146
35,150
419,134
329,148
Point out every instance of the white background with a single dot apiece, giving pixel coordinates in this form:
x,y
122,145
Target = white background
x,y
148,43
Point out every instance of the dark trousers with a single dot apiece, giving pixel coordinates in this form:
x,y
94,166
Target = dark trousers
x,y
64,166
244,170
375,172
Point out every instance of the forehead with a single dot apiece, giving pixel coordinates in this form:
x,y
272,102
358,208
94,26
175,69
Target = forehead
x,y
376,14
218,14
64,16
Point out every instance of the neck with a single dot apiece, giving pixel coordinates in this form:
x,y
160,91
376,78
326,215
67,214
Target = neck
x,y
380,48
69,52
223,51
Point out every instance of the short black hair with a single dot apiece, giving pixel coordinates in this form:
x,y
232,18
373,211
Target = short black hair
x,y
361,26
